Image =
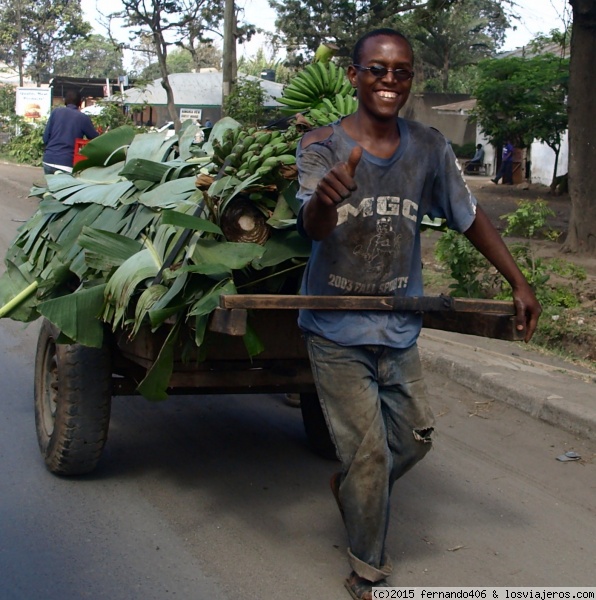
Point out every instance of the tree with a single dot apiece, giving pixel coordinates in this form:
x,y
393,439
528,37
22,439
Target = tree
x,y
307,23
581,236
259,63
522,99
164,20
245,103
34,33
94,56
181,61
445,41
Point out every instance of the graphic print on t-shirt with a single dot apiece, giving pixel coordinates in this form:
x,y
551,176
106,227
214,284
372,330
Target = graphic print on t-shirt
x,y
384,242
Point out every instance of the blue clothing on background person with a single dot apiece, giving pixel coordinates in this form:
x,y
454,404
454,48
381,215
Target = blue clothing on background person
x,y
506,170
477,160
64,126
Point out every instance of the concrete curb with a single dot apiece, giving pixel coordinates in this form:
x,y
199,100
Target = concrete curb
x,y
553,393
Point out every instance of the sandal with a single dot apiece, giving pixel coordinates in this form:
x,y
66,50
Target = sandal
x,y
360,588
334,483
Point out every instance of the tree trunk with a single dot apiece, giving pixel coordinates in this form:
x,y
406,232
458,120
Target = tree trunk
x,y
581,236
162,55
553,181
229,51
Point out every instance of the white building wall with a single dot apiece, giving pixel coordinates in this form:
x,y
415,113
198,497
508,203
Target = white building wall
x,y
543,161
542,157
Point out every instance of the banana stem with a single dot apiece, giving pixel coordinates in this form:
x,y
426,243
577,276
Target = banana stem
x,y
20,297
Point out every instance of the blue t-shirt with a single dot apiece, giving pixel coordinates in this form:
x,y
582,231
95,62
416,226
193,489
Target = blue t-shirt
x,y
375,248
507,155
65,125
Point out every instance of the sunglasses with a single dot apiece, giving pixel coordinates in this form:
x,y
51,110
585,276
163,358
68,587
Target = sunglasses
x,y
378,72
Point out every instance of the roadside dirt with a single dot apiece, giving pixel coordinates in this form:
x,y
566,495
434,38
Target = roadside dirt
x,y
571,331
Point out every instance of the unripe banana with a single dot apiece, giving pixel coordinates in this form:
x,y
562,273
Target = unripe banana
x,y
280,148
323,71
272,161
267,152
263,138
314,74
287,159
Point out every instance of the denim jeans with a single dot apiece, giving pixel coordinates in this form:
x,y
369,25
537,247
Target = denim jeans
x,y
374,401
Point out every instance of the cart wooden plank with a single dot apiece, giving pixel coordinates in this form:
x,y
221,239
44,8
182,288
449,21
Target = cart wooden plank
x,y
473,316
414,303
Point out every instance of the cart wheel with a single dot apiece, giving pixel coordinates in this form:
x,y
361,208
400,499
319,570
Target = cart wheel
x,y
72,403
316,427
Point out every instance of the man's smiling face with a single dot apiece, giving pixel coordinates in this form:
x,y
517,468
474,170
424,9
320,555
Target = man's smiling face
x,y
382,97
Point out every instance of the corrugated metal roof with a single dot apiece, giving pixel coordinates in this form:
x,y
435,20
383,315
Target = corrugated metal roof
x,y
462,108
195,90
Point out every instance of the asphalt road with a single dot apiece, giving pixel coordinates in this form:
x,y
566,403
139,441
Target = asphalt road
x,y
219,497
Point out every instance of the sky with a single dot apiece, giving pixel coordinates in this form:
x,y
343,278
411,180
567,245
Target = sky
x,y
537,16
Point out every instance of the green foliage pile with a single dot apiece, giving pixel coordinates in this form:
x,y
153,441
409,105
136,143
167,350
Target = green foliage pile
x,y
135,238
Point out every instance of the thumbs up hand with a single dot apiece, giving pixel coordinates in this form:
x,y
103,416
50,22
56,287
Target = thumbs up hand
x,y
338,183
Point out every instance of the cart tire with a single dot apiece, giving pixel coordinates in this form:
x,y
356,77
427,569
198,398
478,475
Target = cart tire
x,y
316,428
72,402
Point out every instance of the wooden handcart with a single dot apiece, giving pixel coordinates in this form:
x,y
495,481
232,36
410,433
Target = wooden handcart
x,y
75,384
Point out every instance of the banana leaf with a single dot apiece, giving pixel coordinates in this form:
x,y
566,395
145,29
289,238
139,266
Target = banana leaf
x,y
252,342
233,255
210,300
105,250
151,146
170,194
218,132
12,282
283,216
104,175
76,315
124,282
106,195
142,219
154,385
151,172
186,138
145,303
282,246
174,217
106,149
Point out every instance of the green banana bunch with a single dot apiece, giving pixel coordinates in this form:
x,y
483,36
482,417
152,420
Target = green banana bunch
x,y
233,141
317,81
327,111
257,152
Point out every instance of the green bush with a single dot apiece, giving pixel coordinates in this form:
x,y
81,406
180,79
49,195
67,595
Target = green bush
x,y
474,276
111,116
246,103
27,146
466,150
528,219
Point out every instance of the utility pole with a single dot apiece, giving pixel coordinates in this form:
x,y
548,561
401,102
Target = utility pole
x,y
229,49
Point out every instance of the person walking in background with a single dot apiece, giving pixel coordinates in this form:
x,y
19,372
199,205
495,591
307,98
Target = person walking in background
x,y
366,182
65,125
506,170
477,160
